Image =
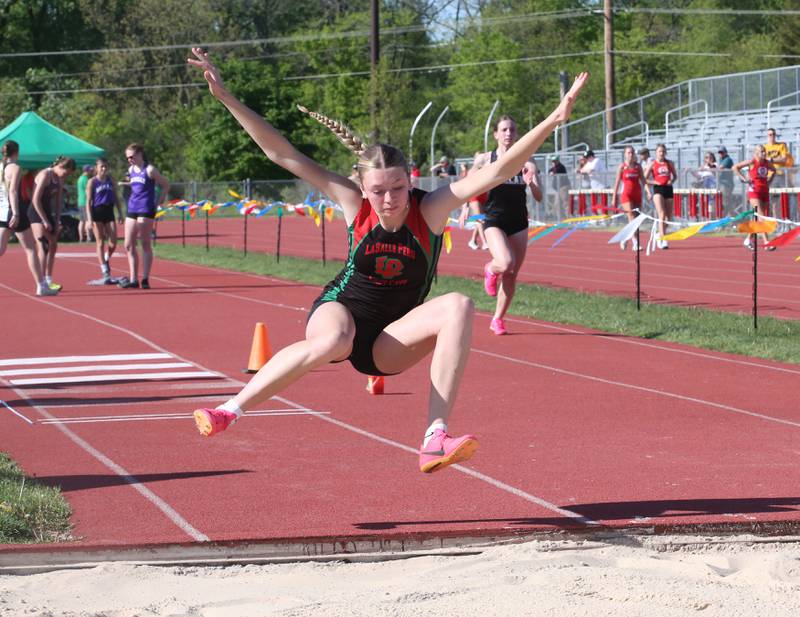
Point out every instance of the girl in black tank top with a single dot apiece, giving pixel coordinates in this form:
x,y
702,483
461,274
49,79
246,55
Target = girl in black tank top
x,y
506,224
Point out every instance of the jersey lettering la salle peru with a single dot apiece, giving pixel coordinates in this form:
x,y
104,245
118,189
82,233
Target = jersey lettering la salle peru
x,y
387,273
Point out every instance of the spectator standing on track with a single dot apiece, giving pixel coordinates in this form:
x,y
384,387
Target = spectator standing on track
x,y
14,216
101,200
725,175
506,222
631,175
84,224
661,175
761,173
45,212
141,214
374,313
561,185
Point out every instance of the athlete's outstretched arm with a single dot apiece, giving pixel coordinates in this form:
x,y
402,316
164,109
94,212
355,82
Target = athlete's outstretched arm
x,y
439,203
276,146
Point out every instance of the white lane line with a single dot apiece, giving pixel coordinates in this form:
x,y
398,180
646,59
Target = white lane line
x,y
15,412
127,477
622,384
484,478
172,416
68,255
116,377
117,401
136,388
609,337
85,368
73,359
470,472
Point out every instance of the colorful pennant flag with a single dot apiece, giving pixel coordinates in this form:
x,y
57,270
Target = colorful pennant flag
x,y
785,239
757,227
448,241
683,234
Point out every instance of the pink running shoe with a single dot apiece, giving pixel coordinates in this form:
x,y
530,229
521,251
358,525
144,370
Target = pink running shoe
x,y
212,421
443,450
489,281
498,327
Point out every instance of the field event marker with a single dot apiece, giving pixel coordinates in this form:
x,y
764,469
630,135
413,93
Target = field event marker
x,y
115,377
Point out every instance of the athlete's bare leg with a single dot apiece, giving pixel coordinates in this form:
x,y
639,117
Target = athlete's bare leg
x,y
28,243
5,234
508,254
442,325
145,227
658,202
329,337
131,235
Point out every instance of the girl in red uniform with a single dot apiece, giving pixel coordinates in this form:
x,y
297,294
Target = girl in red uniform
x,y
374,314
660,175
760,175
631,175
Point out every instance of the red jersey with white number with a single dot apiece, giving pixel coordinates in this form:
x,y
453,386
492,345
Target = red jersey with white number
x,y
632,183
759,173
661,172
387,273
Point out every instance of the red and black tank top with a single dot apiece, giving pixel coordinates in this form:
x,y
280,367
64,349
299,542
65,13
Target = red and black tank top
x,y
387,273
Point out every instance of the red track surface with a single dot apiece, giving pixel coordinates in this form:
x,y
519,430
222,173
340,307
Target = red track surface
x,y
577,429
710,272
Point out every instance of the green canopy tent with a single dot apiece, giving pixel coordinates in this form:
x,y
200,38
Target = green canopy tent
x,y
40,143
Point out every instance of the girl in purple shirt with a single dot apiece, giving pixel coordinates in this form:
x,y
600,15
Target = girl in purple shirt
x,y
141,214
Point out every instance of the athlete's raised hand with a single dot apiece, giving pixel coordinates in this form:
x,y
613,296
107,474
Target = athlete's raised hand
x,y
210,72
564,109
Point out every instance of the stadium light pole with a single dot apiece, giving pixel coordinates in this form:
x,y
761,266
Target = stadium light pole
x,y
488,123
414,128
433,132
608,53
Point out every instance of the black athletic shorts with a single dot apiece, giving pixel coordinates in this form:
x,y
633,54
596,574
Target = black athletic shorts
x,y
508,220
140,215
23,224
103,214
665,190
367,333
34,217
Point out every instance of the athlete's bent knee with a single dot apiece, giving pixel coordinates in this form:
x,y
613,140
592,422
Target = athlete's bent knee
x,y
460,306
334,344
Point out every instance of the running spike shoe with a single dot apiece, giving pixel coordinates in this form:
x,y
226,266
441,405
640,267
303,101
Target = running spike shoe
x,y
443,450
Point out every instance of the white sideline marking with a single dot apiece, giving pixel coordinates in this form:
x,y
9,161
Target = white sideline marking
x,y
622,384
15,412
115,377
92,367
72,359
172,416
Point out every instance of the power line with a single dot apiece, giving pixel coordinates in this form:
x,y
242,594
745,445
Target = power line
x,y
299,37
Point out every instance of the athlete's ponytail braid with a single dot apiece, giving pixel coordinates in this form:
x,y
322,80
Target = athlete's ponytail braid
x,y
345,135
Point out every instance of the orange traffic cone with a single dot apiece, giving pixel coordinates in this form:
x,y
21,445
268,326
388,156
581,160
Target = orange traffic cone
x,y
375,385
260,351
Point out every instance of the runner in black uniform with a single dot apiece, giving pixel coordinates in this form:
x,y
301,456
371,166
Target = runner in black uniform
x,y
506,222
374,312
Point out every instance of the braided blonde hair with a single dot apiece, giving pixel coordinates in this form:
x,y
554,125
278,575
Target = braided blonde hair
x,y
378,156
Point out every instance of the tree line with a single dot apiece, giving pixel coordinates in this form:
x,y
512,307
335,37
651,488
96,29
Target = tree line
x,y
276,54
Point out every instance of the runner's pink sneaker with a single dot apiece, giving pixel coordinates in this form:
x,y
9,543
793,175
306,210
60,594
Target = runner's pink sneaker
x,y
498,327
489,281
212,421
443,450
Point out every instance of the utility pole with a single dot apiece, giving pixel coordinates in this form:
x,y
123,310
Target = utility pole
x,y
374,59
608,47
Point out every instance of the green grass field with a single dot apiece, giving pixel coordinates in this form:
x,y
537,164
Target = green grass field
x,y
775,339
29,511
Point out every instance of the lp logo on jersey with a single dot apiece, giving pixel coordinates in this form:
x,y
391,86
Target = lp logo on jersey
x,y
388,267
